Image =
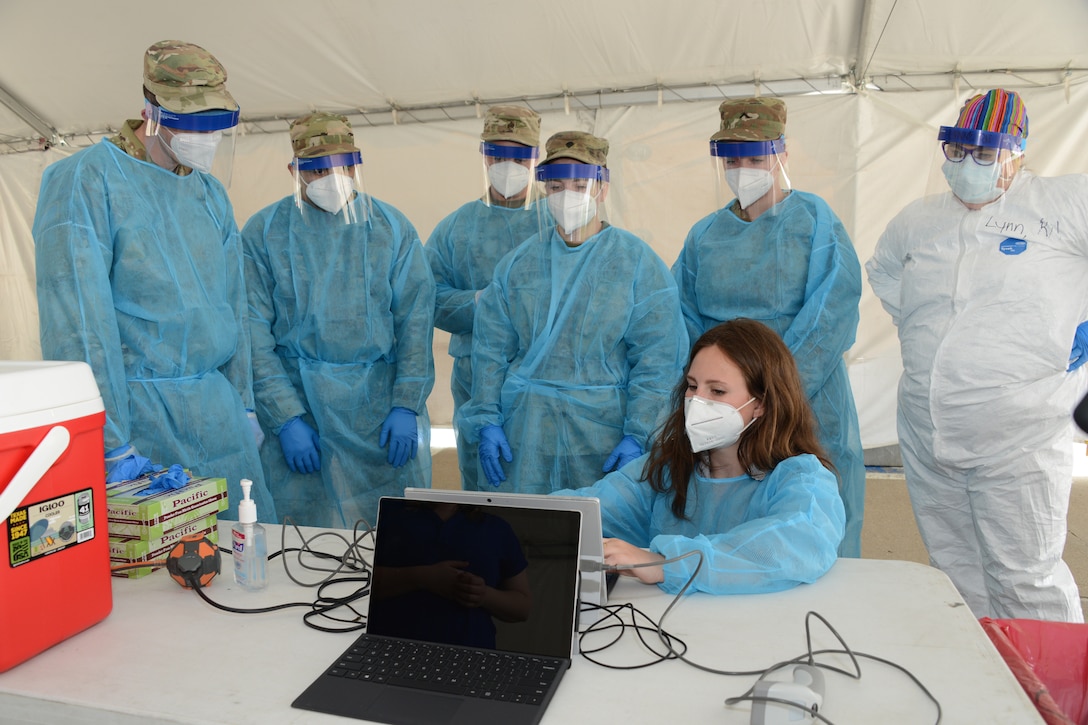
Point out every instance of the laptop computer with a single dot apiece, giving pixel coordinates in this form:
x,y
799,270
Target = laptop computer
x,y
595,583
469,584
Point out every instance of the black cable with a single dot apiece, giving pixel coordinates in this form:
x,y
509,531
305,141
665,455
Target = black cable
x,y
324,606
809,659
881,660
319,606
353,559
614,612
675,601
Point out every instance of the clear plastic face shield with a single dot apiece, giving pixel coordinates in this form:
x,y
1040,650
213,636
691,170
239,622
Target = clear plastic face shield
x,y
201,141
509,169
977,166
574,196
753,173
329,189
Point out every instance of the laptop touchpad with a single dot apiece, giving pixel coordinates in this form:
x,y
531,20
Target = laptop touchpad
x,y
408,707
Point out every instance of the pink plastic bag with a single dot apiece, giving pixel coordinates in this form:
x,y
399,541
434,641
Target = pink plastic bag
x,y
1050,660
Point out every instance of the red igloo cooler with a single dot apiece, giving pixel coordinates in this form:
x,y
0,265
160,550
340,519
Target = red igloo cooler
x,y
55,573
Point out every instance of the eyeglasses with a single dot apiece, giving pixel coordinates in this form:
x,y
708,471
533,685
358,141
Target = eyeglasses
x,y
957,152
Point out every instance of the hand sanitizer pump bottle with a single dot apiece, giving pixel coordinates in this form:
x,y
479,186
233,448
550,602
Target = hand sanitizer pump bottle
x,y
249,544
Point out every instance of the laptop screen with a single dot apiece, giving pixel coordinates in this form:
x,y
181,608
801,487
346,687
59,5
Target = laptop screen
x,y
488,576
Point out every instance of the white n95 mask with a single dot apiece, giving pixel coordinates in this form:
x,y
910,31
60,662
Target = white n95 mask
x,y
572,209
749,184
711,424
331,191
508,178
196,150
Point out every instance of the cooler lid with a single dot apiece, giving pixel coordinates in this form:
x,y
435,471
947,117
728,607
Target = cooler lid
x,y
43,385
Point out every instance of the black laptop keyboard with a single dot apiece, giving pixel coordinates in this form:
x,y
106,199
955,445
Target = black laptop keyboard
x,y
473,673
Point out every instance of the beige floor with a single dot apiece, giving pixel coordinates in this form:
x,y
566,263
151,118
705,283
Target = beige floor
x,y
889,531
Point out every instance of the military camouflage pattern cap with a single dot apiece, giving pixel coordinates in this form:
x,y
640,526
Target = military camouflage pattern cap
x,y
577,145
322,134
751,119
185,78
512,123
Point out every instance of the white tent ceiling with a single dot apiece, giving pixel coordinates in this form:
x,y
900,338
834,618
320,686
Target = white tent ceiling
x,y
69,67
867,83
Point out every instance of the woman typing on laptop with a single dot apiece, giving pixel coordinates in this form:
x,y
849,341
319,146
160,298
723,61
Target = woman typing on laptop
x,y
735,472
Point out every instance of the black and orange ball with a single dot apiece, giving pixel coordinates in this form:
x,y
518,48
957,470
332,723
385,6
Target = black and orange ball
x,y
194,559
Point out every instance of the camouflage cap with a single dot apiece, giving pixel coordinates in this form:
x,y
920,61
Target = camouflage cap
x,y
512,123
577,145
751,119
322,134
185,78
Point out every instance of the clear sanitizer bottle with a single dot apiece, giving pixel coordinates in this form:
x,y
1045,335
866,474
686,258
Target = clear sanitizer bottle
x,y
249,544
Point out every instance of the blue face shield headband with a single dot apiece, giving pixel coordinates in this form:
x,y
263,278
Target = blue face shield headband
x,y
571,171
988,139
508,152
331,161
741,149
217,120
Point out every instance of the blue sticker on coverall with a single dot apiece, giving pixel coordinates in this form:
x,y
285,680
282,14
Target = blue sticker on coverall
x,y
1013,246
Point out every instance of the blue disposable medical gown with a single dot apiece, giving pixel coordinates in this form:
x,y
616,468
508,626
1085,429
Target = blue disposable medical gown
x,y
574,348
795,270
463,251
342,319
140,275
755,535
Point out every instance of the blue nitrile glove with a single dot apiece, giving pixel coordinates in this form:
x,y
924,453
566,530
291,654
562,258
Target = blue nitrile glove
x,y
258,434
175,477
1079,355
301,446
399,430
625,451
492,442
124,464
115,456
131,467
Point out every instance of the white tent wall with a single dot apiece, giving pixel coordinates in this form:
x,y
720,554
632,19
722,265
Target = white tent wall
x,y
20,175
867,152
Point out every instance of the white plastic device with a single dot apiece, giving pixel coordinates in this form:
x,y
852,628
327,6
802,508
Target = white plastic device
x,y
806,692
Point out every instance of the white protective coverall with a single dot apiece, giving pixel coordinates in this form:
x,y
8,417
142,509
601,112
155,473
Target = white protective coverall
x,y
987,302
